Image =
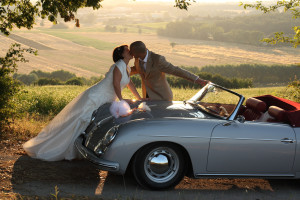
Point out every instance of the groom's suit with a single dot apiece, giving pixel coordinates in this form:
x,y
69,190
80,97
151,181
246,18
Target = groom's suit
x,y
154,82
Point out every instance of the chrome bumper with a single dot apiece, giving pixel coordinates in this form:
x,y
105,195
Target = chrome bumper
x,y
89,155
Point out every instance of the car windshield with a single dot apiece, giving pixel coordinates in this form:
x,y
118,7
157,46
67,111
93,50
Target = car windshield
x,y
216,100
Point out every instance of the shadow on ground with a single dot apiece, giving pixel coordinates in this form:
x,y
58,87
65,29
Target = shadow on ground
x,y
79,178
39,178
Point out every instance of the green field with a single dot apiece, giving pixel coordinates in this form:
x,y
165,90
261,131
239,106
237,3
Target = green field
x,y
49,100
82,40
37,105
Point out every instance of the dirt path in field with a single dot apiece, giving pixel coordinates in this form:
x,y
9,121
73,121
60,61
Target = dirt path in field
x,y
25,178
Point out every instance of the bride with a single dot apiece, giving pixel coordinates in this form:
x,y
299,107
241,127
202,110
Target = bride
x,y
56,140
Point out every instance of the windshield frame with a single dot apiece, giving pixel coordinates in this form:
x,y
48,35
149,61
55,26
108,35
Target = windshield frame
x,y
201,94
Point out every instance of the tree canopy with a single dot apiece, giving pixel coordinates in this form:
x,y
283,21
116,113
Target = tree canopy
x,y
22,13
293,6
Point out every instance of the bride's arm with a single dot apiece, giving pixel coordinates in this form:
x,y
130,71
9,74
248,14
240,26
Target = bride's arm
x,y
117,76
132,88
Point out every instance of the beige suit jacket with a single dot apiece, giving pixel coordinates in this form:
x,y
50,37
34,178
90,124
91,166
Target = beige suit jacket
x,y
154,81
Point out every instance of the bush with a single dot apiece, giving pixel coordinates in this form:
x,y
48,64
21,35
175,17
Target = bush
x,y
46,105
235,83
292,91
262,75
109,28
62,75
136,79
95,79
8,85
26,79
48,81
74,81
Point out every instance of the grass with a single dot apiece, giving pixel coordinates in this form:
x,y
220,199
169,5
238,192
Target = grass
x,y
37,105
49,100
251,92
82,40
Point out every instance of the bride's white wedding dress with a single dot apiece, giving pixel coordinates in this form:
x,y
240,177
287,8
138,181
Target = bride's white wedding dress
x,y
56,140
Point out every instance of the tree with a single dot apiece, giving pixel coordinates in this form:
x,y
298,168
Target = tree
x,y
173,44
26,79
74,81
8,85
280,37
62,75
22,13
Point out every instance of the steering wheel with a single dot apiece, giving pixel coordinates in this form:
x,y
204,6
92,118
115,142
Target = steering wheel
x,y
223,111
212,110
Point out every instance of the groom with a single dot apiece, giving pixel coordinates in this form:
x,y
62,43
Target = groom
x,y
152,68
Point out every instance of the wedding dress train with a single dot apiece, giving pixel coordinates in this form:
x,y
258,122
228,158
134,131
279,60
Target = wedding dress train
x,y
56,140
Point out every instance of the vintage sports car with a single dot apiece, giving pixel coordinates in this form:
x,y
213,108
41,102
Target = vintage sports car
x,y
211,135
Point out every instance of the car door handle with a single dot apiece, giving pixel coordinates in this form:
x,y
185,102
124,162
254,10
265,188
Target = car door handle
x,y
287,140
227,123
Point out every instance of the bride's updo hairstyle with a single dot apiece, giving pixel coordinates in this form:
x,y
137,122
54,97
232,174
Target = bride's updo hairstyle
x,y
117,53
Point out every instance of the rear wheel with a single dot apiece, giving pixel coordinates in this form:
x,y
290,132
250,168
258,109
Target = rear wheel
x,y
159,166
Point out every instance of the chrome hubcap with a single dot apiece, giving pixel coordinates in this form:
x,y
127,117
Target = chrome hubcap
x,y
161,165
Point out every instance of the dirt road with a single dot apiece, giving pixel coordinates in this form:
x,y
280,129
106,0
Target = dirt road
x,y
24,177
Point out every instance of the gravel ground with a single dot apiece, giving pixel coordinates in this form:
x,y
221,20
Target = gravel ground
x,y
25,178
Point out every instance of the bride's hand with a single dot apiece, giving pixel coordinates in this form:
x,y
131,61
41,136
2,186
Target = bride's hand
x,y
129,101
127,114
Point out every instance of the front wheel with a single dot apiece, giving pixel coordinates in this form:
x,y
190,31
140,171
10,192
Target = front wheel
x,y
159,166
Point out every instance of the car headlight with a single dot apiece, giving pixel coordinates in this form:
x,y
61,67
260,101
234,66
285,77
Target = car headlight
x,y
106,141
109,136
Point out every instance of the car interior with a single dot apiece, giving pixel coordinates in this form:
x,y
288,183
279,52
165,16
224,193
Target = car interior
x,y
269,108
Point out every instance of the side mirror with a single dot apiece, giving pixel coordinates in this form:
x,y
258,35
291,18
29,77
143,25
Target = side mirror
x,y
241,118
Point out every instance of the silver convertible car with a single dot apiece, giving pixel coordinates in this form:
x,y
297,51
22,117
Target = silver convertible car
x,y
213,134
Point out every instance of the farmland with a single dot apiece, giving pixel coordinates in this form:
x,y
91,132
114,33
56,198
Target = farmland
x,y
87,51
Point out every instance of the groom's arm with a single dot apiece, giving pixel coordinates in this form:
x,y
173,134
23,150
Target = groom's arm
x,y
165,66
133,71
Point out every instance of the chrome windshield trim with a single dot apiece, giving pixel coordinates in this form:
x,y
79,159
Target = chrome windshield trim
x,y
239,104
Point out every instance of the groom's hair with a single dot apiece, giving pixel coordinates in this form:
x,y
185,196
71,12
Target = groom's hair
x,y
138,47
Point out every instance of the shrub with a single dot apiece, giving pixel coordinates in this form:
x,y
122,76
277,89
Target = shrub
x,y
46,104
95,79
62,75
292,91
48,81
26,79
8,85
74,81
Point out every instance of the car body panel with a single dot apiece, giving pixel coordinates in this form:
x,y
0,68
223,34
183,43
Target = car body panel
x,y
141,133
252,147
296,168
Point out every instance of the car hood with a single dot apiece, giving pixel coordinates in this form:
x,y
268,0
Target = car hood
x,y
164,109
102,120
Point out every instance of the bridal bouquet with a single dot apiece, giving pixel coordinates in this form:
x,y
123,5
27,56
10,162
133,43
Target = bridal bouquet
x,y
122,108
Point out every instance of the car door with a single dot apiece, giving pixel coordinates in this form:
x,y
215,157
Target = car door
x,y
251,148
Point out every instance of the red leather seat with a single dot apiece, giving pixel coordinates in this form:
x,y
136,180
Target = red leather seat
x,y
254,109
277,113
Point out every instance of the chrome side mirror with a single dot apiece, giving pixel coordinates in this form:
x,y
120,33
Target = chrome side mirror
x,y
240,118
